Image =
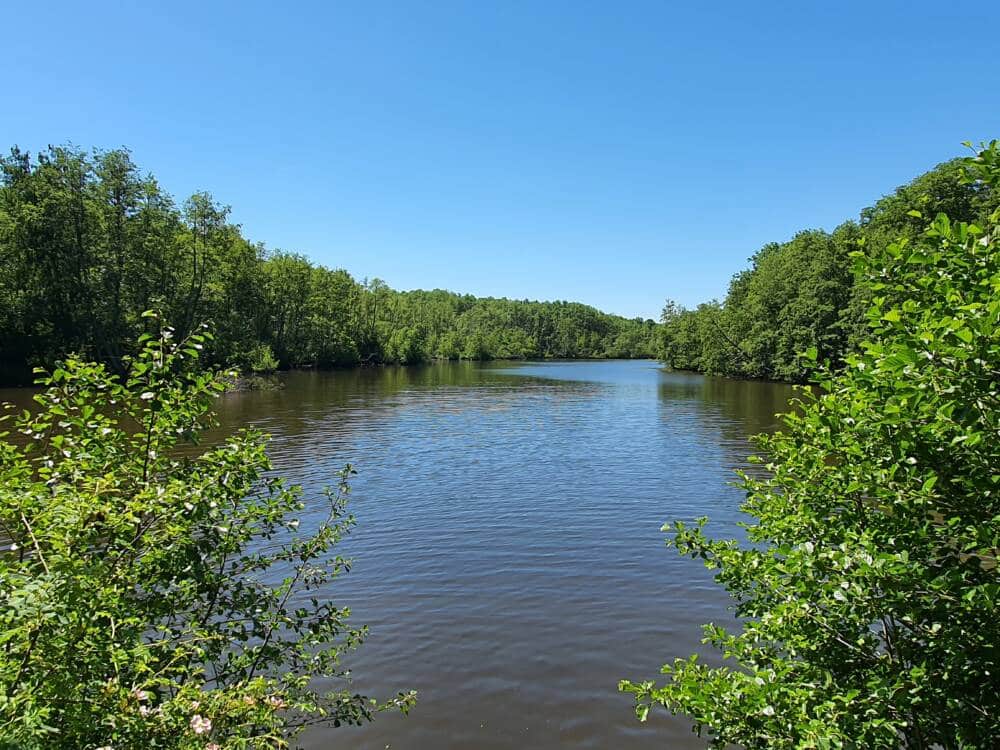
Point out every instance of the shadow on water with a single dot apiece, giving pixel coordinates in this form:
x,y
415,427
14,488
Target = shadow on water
x,y
733,410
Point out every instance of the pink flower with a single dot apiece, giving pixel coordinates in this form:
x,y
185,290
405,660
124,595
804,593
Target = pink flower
x,y
213,746
275,702
200,725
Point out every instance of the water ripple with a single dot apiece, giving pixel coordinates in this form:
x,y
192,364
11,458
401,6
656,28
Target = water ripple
x,y
508,556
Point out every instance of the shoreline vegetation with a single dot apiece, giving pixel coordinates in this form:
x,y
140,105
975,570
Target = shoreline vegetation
x,y
866,584
803,293
89,242
163,598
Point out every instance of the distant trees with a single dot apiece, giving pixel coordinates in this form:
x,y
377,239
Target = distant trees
x,y
868,591
801,294
88,242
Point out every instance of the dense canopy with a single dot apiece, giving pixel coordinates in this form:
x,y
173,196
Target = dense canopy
x,y
88,242
802,293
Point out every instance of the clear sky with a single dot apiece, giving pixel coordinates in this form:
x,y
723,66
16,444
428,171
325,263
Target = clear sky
x,y
613,153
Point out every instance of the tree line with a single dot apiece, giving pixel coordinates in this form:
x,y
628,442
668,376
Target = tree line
x,y
803,294
88,242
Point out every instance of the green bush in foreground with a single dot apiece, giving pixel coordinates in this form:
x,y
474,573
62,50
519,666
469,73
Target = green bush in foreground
x,y
154,595
871,590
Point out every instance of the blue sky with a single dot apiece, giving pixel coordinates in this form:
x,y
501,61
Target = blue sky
x,y
610,153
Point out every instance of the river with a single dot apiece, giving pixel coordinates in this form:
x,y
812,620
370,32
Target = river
x,y
508,556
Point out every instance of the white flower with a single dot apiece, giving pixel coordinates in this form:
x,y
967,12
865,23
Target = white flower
x,y
147,395
767,710
200,725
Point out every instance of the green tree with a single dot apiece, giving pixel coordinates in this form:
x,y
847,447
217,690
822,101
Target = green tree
x,y
154,596
869,590
696,339
801,293
406,345
449,346
790,300
86,244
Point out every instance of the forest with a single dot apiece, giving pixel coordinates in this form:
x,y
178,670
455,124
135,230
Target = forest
x,y
803,293
89,242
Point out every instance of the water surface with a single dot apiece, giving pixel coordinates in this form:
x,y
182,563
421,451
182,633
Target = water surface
x,y
508,554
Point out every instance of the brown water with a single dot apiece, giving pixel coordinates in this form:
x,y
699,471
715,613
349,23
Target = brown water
x,y
508,553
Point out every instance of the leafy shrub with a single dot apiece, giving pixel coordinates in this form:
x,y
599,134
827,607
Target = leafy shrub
x,y
260,359
870,589
155,596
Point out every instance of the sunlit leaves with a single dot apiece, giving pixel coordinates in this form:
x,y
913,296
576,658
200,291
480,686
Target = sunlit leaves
x,y
868,593
153,595
801,294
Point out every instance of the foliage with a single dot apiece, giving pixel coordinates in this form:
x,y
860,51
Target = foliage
x,y
87,243
801,293
260,359
693,339
869,591
154,595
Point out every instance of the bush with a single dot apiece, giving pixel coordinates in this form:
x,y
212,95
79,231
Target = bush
x,y
870,588
155,596
260,359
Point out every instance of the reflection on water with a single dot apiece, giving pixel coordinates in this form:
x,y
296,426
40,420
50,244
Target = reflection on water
x,y
508,556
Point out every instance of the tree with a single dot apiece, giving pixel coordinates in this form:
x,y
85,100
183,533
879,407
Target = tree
x,y
153,596
801,293
695,339
86,245
869,590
